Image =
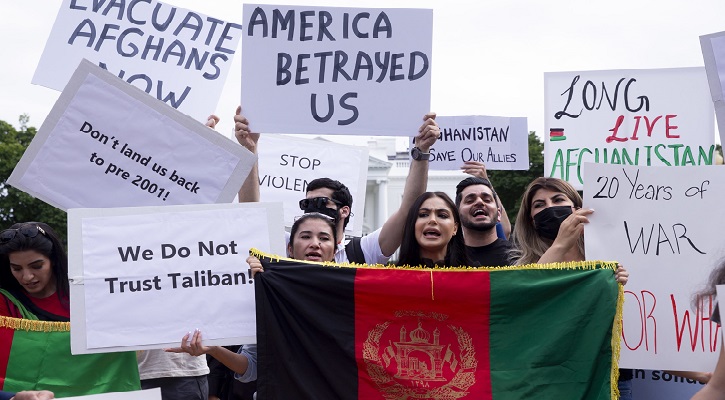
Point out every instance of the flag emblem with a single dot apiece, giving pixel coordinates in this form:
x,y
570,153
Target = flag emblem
x,y
420,355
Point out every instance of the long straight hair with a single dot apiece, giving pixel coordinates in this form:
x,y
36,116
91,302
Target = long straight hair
x,y
47,244
529,246
410,248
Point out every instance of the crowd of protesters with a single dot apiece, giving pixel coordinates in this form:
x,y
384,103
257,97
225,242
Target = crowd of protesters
x,y
429,229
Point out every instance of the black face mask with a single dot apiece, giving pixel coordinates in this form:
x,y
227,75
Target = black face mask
x,y
548,220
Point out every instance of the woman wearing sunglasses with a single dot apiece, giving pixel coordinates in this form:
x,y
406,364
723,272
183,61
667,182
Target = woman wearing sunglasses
x,y
313,237
33,273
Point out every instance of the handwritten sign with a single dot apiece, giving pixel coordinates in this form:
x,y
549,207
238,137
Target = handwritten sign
x,y
659,222
287,165
502,143
659,117
142,277
178,56
107,144
331,70
713,52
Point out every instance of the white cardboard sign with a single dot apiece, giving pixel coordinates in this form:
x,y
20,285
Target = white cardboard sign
x,y
142,277
178,56
148,394
656,117
713,53
333,70
659,223
287,165
107,144
502,143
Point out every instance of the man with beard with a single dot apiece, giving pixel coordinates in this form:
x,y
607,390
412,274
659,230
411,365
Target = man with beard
x,y
479,212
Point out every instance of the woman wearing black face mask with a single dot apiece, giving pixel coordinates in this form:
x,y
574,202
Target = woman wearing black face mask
x,y
550,225
550,228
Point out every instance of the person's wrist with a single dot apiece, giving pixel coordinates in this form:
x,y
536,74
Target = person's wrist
x,y
213,351
419,154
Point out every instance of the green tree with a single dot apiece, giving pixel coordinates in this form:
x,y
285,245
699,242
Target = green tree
x,y
15,205
510,185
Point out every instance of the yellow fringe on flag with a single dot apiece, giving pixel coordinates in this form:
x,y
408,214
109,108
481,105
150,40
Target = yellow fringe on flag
x,y
22,324
580,265
616,342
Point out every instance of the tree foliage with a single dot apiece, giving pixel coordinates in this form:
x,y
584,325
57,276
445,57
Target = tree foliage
x,y
510,185
15,205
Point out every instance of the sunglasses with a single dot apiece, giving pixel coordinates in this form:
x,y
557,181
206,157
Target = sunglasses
x,y
29,231
317,202
313,214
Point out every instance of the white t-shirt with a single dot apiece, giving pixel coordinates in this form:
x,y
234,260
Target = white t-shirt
x,y
370,245
154,364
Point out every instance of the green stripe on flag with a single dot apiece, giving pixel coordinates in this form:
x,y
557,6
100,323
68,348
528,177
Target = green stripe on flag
x,y
41,360
551,332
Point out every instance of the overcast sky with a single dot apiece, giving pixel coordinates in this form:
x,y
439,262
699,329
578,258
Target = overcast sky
x,y
489,57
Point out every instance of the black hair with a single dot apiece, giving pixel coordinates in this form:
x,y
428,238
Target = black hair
x,y
410,248
47,243
305,217
470,181
340,192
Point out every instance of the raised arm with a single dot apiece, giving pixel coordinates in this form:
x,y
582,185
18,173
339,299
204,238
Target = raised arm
x,y
478,169
392,232
249,192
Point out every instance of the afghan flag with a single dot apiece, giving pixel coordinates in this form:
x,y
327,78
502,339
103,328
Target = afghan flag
x,y
331,331
35,355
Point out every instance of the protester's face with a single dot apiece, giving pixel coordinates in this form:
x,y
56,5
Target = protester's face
x,y
478,209
331,209
545,198
434,227
313,241
33,272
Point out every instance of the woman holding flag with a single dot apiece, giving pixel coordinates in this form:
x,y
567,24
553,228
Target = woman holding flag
x,y
550,229
313,237
34,322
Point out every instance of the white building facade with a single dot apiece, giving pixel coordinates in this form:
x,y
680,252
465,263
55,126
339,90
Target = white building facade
x,y
387,171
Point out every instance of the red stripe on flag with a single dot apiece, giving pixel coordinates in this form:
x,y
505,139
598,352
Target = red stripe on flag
x,y
6,343
437,325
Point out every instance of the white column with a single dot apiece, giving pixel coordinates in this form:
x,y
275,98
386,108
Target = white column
x,y
382,201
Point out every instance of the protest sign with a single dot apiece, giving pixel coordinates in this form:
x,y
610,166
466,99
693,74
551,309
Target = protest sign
x,y
333,70
149,394
142,277
713,52
178,56
659,223
502,143
657,117
107,144
287,165
662,385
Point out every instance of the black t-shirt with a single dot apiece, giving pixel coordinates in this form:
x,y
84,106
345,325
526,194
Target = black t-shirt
x,y
495,254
